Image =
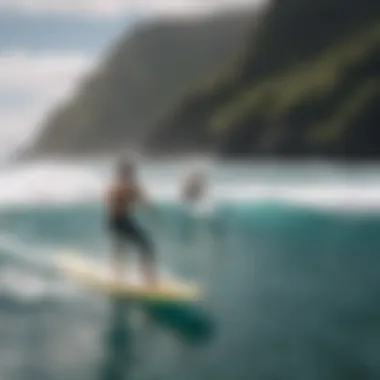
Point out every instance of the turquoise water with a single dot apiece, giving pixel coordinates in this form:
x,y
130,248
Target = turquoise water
x,y
292,281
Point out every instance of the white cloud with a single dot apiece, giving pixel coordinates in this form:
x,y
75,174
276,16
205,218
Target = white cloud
x,y
27,70
43,80
115,7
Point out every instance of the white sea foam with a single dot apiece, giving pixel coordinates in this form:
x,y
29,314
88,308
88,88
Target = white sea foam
x,y
48,183
27,275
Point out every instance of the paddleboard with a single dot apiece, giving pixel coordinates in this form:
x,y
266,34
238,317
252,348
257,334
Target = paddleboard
x,y
95,277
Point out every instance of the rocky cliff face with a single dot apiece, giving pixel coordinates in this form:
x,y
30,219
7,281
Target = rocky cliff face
x,y
300,79
140,81
308,86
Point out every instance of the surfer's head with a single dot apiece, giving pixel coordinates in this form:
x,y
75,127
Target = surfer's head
x,y
126,170
198,178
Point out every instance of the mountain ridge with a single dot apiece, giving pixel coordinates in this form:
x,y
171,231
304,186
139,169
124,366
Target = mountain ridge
x,y
138,81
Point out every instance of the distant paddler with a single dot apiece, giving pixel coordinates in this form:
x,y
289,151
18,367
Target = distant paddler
x,y
194,188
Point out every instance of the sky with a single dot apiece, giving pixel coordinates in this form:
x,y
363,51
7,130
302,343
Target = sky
x,y
46,46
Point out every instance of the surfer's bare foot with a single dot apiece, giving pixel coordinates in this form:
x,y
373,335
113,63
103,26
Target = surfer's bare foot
x,y
151,281
150,274
117,277
117,272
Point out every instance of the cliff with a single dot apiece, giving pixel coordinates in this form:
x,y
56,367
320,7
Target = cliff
x,y
299,79
307,87
139,81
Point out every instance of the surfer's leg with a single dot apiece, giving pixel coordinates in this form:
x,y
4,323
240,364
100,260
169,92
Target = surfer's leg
x,y
148,264
118,228
149,267
118,256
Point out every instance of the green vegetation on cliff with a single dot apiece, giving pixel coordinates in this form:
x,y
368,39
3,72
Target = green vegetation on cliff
x,y
314,80
139,81
299,79
308,86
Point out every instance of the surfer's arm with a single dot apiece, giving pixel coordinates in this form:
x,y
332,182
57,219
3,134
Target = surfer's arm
x,y
143,199
147,202
110,196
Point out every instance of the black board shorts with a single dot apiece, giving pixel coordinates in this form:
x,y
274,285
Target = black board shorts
x,y
124,229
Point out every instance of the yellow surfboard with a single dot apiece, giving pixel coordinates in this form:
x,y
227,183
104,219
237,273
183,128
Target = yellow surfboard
x,y
94,277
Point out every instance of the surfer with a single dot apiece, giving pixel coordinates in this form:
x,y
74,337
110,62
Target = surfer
x,y
194,188
122,196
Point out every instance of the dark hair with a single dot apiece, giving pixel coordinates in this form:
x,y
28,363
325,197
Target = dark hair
x,y
125,168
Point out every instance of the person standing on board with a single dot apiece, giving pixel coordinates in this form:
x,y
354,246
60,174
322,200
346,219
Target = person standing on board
x,y
122,196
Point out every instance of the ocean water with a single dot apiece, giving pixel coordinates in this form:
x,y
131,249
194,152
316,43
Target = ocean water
x,y
289,256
